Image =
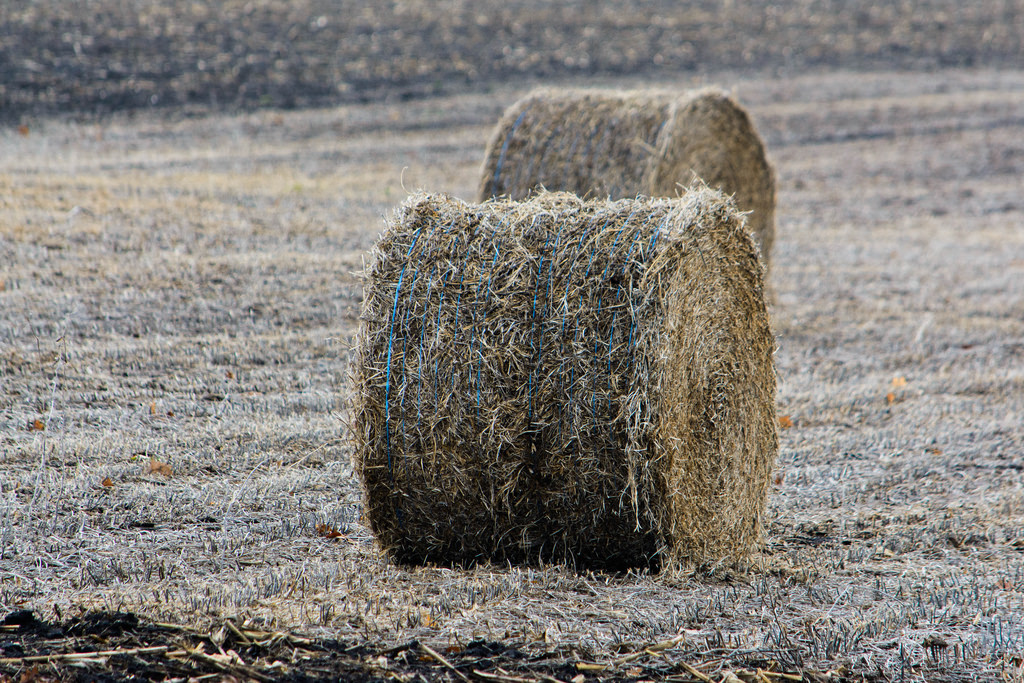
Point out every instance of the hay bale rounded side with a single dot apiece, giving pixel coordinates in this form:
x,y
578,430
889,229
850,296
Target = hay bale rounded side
x,y
565,380
622,144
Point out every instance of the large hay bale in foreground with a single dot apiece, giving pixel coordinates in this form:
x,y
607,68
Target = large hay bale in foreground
x,y
564,380
623,144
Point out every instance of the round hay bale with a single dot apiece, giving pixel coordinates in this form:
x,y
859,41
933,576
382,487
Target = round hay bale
x,y
565,380
623,144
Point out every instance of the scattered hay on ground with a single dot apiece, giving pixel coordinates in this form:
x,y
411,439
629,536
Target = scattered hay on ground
x,y
555,379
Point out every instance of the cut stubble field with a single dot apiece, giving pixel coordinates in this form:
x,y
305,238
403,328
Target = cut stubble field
x,y
178,298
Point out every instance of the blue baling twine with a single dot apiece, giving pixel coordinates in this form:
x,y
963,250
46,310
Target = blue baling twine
x,y
405,349
473,334
632,322
455,326
487,301
533,331
423,325
504,149
440,303
611,340
611,252
593,388
535,160
547,294
561,333
604,275
391,339
632,326
423,332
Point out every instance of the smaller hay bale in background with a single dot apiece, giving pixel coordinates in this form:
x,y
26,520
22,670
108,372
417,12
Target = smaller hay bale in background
x,y
565,380
622,144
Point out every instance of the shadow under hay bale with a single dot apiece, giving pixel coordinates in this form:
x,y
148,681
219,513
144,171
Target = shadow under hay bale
x,y
560,380
623,144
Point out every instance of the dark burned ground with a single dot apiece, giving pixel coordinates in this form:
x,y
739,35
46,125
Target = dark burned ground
x,y
116,646
178,292
106,55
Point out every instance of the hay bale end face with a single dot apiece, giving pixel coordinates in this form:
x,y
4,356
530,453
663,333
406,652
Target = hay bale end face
x,y
565,380
604,144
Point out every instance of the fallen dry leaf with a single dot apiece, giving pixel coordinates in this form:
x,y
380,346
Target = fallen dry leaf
x,y
157,467
328,531
36,425
30,675
899,382
107,482
785,421
890,397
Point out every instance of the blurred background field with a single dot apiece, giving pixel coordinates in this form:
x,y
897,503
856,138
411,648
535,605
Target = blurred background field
x,y
179,287
107,55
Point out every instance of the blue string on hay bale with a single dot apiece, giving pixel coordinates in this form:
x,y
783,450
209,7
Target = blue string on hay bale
x,y
565,380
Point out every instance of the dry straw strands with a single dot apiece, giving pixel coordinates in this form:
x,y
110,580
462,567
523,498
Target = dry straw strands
x,y
623,144
566,380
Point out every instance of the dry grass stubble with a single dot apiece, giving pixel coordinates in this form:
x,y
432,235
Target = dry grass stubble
x,y
894,533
